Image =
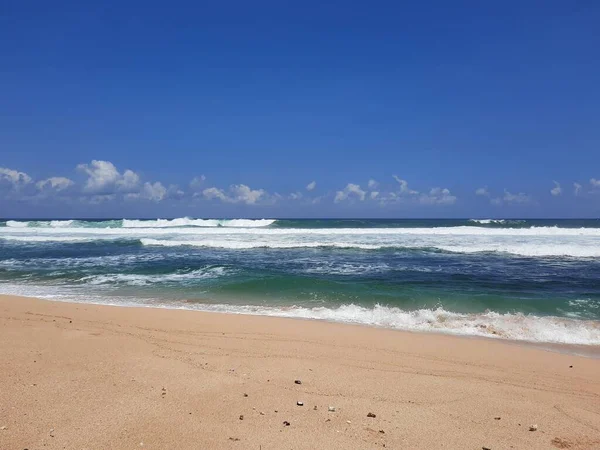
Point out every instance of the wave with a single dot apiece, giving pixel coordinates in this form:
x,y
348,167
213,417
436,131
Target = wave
x,y
498,221
149,279
531,250
240,226
525,249
157,223
518,327
50,238
187,222
16,224
243,245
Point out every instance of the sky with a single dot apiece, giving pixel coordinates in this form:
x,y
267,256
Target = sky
x,y
300,109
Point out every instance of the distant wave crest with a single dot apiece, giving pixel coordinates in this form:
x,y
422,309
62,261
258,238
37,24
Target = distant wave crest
x,y
157,223
187,222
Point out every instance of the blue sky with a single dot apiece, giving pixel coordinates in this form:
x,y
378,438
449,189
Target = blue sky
x,y
114,109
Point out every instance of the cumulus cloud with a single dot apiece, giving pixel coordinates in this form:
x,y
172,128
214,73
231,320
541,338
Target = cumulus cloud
x,y
373,184
54,183
197,182
482,191
154,191
238,193
243,194
509,198
577,187
595,183
556,190
310,186
404,189
103,177
374,195
437,196
215,193
150,191
351,191
14,178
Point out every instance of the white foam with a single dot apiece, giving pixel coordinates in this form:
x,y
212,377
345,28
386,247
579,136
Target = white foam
x,y
524,249
533,242
346,268
49,238
518,327
187,222
147,279
242,245
61,223
16,224
508,326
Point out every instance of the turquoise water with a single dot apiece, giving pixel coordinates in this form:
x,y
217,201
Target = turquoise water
x,y
536,280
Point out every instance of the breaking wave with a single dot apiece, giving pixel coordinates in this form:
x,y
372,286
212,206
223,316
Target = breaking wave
x,y
187,222
518,327
521,249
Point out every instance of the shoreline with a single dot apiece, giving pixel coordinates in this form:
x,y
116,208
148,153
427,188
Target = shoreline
x,y
80,375
583,350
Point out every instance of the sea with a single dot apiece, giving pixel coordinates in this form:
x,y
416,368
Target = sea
x,y
524,280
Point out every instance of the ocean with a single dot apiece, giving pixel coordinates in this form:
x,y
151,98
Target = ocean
x,y
528,280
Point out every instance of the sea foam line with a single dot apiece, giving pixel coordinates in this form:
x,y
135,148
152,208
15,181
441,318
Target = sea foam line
x,y
264,230
518,327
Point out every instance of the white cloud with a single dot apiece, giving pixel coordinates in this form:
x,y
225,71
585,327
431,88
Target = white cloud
x,y
373,184
295,196
14,178
556,190
154,191
350,191
510,198
102,198
595,182
243,194
103,177
197,182
482,191
374,195
215,193
577,188
238,193
404,186
437,196
56,183
310,186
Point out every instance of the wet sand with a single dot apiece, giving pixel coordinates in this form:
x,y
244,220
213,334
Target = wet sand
x,y
78,376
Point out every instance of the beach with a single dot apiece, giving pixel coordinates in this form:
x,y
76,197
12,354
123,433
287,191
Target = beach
x,y
82,376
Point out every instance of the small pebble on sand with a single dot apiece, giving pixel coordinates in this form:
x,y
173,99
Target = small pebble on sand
x,y
298,382
241,417
371,415
300,403
533,428
331,409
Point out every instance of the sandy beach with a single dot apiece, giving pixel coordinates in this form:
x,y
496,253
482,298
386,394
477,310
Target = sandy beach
x,y
79,376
